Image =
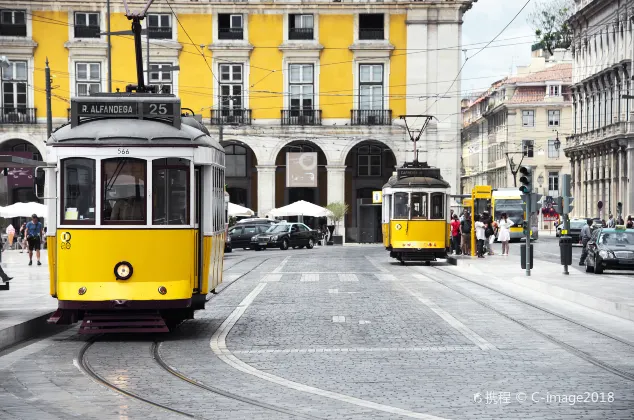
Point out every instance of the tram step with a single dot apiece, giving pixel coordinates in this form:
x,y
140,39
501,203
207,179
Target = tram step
x,y
124,322
4,286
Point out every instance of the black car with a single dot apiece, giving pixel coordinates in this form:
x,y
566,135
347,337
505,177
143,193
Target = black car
x,y
257,221
285,235
575,229
242,233
610,249
228,246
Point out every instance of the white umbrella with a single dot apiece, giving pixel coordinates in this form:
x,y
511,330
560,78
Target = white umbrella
x,y
239,211
23,210
301,208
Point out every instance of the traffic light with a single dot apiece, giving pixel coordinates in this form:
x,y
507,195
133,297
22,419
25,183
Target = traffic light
x,y
566,188
568,207
525,230
536,201
526,180
558,205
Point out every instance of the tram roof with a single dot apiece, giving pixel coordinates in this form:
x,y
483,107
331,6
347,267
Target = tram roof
x,y
134,132
416,182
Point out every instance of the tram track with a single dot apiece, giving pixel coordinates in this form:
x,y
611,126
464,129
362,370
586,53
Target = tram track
x,y
569,348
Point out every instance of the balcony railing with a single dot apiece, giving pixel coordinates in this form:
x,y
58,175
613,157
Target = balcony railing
x,y
9,29
17,116
230,33
87,31
157,32
301,117
300,33
230,117
371,33
371,117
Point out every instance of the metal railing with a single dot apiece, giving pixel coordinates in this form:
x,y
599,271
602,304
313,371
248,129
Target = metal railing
x,y
230,116
371,117
230,33
159,32
18,115
300,33
371,33
87,31
9,29
301,117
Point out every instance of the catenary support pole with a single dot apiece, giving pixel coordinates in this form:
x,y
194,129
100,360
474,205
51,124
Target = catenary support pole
x,y
49,112
528,235
109,47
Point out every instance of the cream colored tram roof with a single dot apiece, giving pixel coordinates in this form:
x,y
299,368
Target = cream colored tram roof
x,y
127,131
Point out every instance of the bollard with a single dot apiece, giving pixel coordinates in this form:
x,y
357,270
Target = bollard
x,y
523,253
565,252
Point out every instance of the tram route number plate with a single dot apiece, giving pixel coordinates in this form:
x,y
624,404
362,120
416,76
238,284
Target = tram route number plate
x,y
157,108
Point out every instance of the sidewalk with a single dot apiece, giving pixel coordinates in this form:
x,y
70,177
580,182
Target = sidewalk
x,y
608,293
25,307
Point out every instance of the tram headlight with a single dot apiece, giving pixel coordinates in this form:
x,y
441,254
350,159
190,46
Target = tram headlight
x,y
162,290
274,238
123,270
82,291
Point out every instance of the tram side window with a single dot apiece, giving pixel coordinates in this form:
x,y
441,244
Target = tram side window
x,y
78,177
437,206
123,191
401,206
419,205
170,191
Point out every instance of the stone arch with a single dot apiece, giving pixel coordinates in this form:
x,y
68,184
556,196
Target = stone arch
x,y
369,165
9,140
241,174
280,145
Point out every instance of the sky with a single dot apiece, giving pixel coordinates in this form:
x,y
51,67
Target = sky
x,y
481,24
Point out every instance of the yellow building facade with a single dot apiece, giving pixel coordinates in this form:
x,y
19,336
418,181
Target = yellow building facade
x,y
326,78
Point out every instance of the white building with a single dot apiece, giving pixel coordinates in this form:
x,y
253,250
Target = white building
x,y
601,149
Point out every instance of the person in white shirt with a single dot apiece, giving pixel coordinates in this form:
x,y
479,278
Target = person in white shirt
x,y
504,233
480,236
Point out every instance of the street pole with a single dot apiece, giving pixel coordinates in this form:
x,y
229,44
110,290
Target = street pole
x,y
528,235
109,47
147,40
567,229
49,112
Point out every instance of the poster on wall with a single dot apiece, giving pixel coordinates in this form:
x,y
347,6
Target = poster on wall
x,y
301,170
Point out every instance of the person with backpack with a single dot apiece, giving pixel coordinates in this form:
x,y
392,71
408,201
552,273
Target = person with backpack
x,y
465,231
455,235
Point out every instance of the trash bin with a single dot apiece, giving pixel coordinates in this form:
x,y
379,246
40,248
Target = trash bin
x,y
565,250
523,258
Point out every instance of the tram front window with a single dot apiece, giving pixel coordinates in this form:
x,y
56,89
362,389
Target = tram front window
x,y
170,191
78,202
401,205
123,191
419,205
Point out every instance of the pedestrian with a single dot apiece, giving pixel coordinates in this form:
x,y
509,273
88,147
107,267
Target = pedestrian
x,y
620,221
489,232
611,221
630,223
465,231
34,238
22,238
455,235
10,235
504,235
480,236
586,234
5,278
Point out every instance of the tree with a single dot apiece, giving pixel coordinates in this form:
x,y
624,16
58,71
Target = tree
x,y
550,21
339,210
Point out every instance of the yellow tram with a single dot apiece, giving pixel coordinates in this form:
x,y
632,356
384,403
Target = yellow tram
x,y
416,214
136,210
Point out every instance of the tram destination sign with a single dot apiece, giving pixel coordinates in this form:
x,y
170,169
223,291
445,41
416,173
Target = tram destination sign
x,y
107,108
418,172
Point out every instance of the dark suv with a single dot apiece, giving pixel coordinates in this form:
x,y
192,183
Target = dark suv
x,y
285,235
242,233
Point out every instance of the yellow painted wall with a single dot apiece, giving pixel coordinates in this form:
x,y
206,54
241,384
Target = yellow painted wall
x,y
195,79
266,30
335,81
50,40
398,65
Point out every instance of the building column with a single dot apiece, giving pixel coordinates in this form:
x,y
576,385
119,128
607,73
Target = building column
x,y
266,188
629,186
623,180
337,192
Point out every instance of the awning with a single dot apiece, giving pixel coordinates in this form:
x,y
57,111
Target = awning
x,y
239,211
301,208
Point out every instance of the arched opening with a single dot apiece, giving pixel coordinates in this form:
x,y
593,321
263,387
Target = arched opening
x,y
241,175
16,184
369,165
302,175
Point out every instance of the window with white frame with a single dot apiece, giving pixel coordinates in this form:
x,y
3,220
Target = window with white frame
x,y
553,118
528,147
87,78
300,26
159,25
86,25
369,161
528,118
231,87
12,22
161,77
553,183
371,86
553,152
14,83
301,87
554,90
230,26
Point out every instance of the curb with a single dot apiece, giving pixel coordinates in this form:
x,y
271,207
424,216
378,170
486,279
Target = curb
x,y
620,310
26,330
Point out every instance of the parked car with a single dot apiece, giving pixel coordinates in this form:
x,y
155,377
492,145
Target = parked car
x,y
575,229
597,224
242,233
257,221
285,235
228,246
611,249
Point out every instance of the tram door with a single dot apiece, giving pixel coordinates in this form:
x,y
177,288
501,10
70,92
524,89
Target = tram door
x,y
198,235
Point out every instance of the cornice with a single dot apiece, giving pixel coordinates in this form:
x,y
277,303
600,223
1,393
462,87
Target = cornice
x,y
10,45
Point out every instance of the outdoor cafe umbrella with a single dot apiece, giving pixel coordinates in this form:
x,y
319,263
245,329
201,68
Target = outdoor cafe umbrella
x,y
301,208
23,210
239,211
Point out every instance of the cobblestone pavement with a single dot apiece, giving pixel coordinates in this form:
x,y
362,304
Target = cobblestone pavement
x,y
339,333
